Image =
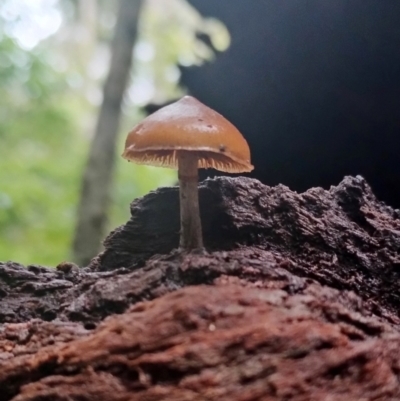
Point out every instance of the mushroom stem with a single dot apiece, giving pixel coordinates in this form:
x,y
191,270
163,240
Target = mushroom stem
x,y
191,233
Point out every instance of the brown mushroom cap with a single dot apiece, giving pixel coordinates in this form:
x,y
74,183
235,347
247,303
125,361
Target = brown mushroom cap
x,y
188,125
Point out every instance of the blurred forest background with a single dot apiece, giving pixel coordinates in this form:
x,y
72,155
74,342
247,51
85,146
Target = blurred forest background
x,y
54,59
314,86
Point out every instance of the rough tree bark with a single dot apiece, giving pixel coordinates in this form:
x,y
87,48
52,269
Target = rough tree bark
x,y
97,177
297,299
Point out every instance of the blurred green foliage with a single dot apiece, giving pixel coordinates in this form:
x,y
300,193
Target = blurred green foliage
x,y
42,154
37,170
47,118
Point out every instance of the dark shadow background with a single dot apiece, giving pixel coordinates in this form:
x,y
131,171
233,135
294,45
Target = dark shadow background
x,y
313,85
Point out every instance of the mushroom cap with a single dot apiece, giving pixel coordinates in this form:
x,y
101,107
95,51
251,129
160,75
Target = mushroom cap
x,y
188,125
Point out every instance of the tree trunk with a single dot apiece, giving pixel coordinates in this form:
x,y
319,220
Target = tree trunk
x,y
97,178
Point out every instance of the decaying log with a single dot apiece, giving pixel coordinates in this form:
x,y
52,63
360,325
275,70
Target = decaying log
x,y
225,342
342,237
297,299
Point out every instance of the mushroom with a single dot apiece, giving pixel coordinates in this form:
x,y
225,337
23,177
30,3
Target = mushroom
x,y
188,135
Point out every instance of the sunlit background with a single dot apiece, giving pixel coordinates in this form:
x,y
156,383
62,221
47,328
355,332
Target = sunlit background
x,y
54,56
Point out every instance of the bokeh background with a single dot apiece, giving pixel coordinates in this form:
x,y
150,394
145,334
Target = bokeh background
x,y
313,85
54,58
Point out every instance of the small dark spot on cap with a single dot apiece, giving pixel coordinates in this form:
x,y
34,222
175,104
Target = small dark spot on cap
x,y
200,119
222,148
209,126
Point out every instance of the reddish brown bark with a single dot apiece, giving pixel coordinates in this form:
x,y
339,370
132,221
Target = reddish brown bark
x,y
297,299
